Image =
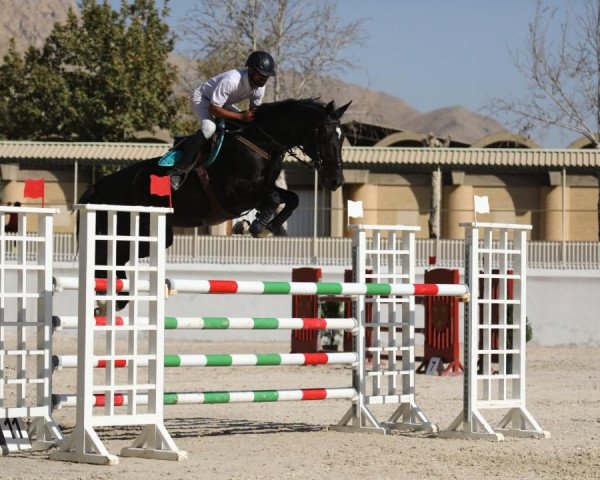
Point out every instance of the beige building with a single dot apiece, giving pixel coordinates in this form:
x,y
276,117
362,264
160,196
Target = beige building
x,y
433,187
554,190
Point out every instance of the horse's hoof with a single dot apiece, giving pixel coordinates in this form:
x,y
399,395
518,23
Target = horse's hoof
x,y
264,234
277,231
100,309
240,228
256,228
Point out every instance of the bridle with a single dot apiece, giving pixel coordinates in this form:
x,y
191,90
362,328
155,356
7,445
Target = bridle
x,y
317,163
314,163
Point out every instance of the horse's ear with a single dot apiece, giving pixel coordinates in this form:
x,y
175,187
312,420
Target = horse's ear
x,y
329,108
340,111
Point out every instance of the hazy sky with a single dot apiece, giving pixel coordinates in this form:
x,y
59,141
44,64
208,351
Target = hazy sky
x,y
438,53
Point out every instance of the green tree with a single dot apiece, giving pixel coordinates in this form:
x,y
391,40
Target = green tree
x,y
100,76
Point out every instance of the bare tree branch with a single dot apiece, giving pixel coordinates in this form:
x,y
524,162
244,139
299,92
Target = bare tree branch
x,y
563,75
305,37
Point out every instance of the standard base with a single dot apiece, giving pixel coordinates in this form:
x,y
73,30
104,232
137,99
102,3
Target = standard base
x,y
358,419
412,419
44,433
523,425
175,456
84,446
81,457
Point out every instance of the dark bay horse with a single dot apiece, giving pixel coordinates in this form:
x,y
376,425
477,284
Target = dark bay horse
x,y
242,177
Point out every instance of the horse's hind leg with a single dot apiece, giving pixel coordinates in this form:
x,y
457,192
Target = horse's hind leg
x,y
100,257
123,252
122,255
103,274
121,304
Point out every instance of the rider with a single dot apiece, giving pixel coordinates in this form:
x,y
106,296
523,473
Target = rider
x,y
216,97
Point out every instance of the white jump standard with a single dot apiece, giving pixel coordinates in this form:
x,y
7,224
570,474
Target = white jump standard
x,y
84,445
484,389
26,307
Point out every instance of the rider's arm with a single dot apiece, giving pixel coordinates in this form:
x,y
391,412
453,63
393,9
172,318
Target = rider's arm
x,y
220,112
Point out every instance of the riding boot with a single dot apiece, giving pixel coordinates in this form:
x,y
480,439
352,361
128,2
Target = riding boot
x,y
191,149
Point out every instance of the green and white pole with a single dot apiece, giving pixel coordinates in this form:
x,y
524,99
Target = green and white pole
x,y
218,360
251,396
312,288
222,323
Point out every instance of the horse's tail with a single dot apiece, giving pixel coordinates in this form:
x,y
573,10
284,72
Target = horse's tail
x,y
86,197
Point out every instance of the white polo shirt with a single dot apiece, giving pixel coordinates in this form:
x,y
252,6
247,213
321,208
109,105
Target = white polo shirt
x,y
229,88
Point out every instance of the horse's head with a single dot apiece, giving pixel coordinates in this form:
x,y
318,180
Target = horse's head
x,y
325,150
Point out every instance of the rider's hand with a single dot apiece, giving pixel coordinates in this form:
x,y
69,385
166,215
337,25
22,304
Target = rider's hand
x,y
247,116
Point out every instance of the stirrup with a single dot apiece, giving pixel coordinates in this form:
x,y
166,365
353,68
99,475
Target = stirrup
x,y
176,177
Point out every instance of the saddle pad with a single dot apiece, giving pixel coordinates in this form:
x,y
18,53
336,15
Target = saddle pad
x,y
170,158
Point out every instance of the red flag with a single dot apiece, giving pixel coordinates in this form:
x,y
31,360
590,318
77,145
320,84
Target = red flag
x,y
34,189
161,186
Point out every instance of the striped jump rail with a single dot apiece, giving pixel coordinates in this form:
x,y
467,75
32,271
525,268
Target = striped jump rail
x,y
219,360
277,288
100,284
189,398
222,323
312,288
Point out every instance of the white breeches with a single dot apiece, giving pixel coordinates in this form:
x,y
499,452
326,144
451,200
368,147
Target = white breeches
x,y
201,111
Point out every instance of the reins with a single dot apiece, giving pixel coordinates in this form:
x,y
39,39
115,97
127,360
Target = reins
x,y
314,164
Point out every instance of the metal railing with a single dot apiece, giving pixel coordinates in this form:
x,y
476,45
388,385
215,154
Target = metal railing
x,y
323,251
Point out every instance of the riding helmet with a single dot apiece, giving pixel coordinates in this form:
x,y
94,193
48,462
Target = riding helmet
x,y
262,62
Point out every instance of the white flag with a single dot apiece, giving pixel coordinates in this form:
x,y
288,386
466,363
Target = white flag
x,y
355,209
482,205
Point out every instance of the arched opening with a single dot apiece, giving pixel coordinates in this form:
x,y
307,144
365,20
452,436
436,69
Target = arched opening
x,y
504,140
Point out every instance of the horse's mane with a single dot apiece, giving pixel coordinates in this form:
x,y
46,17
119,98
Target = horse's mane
x,y
290,105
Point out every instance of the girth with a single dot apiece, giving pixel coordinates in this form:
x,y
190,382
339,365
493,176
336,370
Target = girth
x,y
217,214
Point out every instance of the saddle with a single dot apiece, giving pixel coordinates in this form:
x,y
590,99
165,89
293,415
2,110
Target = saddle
x,y
189,151
195,152
217,213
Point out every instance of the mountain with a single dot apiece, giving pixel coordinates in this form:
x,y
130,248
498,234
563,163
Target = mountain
x,y
382,109
30,22
461,123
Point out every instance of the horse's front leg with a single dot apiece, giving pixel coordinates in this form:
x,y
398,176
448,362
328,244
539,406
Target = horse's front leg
x,y
268,207
291,200
265,210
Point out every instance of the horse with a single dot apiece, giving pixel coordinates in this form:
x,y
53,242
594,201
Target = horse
x,y
240,179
